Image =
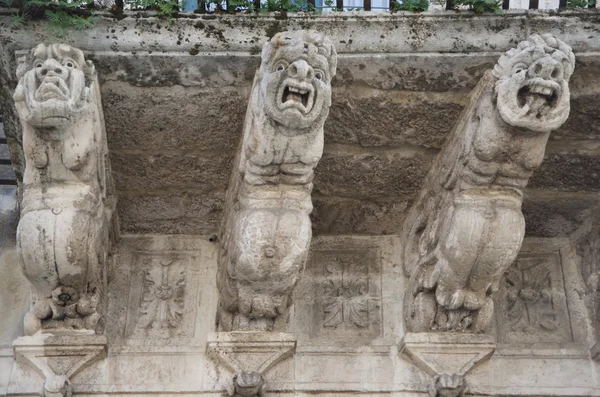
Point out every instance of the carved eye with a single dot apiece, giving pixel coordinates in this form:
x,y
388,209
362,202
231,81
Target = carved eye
x,y
281,66
70,64
38,65
518,68
319,75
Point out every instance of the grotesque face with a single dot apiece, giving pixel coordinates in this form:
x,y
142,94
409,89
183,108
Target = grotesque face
x,y
532,88
53,85
296,72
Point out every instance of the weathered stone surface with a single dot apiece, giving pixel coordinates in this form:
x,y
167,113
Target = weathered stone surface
x,y
14,288
556,216
4,153
160,70
178,119
65,231
391,119
571,171
369,174
267,232
582,122
7,172
333,215
171,214
169,172
466,227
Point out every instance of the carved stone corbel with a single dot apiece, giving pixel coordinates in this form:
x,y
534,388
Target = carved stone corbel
x,y
447,358
466,227
67,221
249,356
267,230
58,358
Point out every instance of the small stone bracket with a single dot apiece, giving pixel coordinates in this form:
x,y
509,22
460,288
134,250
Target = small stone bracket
x,y
249,356
447,358
57,358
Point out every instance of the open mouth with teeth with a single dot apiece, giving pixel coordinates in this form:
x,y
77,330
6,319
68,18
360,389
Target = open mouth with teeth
x,y
297,94
52,87
538,95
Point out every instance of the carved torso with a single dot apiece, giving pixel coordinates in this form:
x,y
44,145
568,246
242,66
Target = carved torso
x,y
501,156
55,160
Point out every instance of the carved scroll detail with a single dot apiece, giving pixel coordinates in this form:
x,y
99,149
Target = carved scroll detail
x,y
466,227
68,202
267,229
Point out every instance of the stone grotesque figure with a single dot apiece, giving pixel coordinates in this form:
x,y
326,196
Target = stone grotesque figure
x,y
267,230
63,234
466,227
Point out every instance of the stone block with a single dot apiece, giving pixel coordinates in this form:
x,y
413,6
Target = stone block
x,y
342,298
371,174
164,293
171,172
582,122
171,214
7,172
568,171
391,118
539,304
333,215
556,215
153,69
4,153
172,119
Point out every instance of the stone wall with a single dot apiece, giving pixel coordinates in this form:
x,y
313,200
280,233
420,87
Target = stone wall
x,y
174,97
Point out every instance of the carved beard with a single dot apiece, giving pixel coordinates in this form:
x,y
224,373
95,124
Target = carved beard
x,y
52,102
534,103
296,105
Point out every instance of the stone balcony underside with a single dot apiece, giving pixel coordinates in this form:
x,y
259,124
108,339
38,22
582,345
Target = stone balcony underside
x,y
175,95
174,99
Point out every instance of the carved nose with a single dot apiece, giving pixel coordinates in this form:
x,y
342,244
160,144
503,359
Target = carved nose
x,y
546,68
301,70
51,67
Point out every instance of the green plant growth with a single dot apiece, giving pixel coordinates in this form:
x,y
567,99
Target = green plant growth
x,y
62,15
481,6
411,5
166,9
581,3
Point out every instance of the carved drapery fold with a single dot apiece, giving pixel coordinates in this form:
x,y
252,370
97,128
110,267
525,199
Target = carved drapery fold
x,y
67,222
466,227
267,230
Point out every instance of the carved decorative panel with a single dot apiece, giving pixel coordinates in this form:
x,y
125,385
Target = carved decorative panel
x,y
346,289
162,301
531,302
340,294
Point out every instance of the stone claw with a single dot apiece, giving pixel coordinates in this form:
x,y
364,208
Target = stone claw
x,y
446,385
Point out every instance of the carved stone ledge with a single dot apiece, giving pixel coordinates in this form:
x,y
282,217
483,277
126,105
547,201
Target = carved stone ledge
x,y
248,356
447,358
58,358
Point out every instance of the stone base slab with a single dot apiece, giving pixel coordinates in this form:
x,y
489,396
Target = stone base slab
x,y
55,356
437,353
253,352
